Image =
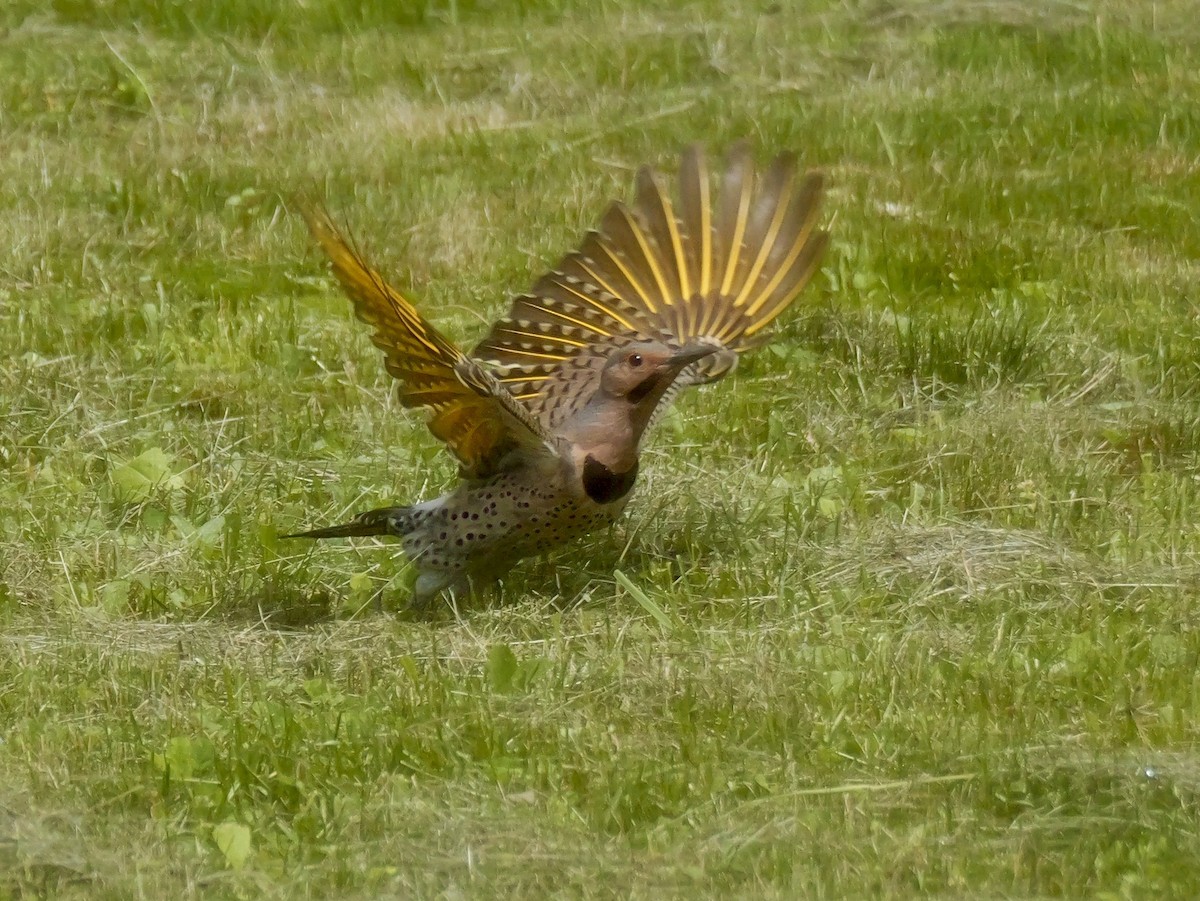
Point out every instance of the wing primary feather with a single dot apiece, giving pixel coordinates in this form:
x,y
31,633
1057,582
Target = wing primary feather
x,y
654,204
540,338
602,308
804,270
470,410
537,355
582,324
601,282
697,216
619,231
648,252
804,242
799,223
368,288
772,209
736,190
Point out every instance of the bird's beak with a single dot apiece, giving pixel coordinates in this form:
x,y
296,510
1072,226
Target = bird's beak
x,y
691,354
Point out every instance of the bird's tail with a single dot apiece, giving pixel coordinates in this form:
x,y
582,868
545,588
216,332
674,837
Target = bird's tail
x,y
385,521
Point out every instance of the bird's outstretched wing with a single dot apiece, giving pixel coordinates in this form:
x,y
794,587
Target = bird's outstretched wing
x,y
708,271
477,416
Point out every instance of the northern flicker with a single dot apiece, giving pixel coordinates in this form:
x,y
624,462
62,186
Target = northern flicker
x,y
547,415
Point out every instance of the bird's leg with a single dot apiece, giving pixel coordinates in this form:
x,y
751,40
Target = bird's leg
x,y
487,585
459,588
428,586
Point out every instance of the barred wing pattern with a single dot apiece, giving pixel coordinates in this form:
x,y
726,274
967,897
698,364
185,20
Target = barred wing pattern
x,y
717,272
477,417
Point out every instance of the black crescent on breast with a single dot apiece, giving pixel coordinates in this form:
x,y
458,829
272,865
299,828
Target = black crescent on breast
x,y
605,486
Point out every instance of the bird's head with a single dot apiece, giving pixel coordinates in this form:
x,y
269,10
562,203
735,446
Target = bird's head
x,y
640,373
607,433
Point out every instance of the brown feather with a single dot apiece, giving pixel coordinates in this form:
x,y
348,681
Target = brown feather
x,y
473,413
717,271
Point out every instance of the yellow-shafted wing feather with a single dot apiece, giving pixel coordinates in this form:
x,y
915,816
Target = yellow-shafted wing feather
x,y
470,410
712,271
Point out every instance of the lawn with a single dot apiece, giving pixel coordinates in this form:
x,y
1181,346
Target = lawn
x,y
907,606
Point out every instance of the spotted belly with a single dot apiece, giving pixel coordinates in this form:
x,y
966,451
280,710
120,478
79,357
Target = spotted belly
x,y
484,529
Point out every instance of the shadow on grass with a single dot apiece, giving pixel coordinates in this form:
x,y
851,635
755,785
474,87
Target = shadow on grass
x,y
566,579
277,603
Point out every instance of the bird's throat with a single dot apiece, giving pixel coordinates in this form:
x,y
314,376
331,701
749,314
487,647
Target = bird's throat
x,y
642,391
603,485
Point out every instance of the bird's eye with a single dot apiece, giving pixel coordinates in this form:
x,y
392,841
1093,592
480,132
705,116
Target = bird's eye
x,y
635,360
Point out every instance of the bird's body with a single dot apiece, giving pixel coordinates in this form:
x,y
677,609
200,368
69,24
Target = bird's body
x,y
479,530
548,415
482,527
537,500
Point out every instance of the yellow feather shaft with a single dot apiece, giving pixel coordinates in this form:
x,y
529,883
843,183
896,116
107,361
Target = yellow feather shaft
x,y
629,277
764,250
739,234
650,258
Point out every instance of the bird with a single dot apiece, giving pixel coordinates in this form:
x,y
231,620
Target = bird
x,y
548,413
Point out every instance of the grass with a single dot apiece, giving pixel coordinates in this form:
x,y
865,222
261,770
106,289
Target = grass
x,y
906,607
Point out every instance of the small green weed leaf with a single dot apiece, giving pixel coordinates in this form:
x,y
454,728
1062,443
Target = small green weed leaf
x,y
824,480
186,757
151,317
380,875
825,484
864,280
154,518
209,534
830,507
501,667
316,688
233,840
134,481
183,525
114,596
838,681
780,428
178,757
268,537
916,496
360,583
673,422
793,355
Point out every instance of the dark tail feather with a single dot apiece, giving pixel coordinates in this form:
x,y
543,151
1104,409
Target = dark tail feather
x,y
387,521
